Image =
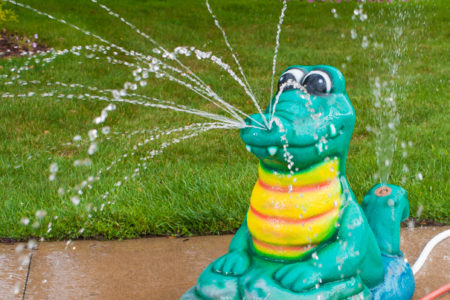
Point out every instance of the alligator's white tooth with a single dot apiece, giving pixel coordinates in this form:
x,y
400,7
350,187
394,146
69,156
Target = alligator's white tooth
x,y
332,130
272,150
249,148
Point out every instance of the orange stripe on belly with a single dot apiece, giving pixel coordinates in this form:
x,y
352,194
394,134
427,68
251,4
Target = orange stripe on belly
x,y
294,189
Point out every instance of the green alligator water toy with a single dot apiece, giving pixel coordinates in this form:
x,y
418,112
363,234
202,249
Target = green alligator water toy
x,y
305,236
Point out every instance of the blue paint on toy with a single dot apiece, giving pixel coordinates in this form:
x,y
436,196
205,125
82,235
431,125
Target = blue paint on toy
x,y
398,280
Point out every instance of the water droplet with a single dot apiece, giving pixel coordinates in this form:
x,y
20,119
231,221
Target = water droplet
x,y
93,134
419,210
16,288
75,200
365,42
20,248
92,148
31,244
53,168
41,214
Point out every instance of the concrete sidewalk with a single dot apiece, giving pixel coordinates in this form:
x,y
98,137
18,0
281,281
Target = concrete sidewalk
x,y
155,268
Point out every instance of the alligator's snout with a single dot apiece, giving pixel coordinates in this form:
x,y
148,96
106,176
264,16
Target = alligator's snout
x,y
265,133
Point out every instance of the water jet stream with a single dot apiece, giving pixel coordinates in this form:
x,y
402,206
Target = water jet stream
x,y
247,86
137,55
277,45
189,72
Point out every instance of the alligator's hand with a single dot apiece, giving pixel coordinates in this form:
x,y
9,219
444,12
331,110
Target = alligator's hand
x,y
297,276
234,263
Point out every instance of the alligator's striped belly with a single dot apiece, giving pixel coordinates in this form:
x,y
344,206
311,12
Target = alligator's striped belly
x,y
290,215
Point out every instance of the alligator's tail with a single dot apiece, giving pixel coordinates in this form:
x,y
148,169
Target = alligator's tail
x,y
385,207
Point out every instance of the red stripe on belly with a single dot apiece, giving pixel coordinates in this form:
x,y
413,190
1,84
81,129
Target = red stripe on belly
x,y
294,189
290,220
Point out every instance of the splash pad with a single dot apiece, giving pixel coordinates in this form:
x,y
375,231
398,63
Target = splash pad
x,y
269,122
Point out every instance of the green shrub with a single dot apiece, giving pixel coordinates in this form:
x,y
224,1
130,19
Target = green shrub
x,y
6,15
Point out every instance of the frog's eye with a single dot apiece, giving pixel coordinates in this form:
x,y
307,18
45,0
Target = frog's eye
x,y
291,79
317,82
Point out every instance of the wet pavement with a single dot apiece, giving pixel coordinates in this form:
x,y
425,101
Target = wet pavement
x,y
155,268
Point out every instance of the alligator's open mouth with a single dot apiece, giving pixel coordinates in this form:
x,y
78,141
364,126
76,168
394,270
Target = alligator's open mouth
x,y
318,142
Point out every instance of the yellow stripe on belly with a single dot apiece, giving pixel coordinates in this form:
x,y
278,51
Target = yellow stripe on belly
x,y
289,232
297,204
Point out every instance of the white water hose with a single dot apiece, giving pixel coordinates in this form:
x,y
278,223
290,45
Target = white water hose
x,y
426,251
423,257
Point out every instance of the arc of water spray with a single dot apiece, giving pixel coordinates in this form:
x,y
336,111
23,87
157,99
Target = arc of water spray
x,y
121,49
277,98
247,86
277,45
189,72
149,38
108,91
169,104
178,108
139,55
196,127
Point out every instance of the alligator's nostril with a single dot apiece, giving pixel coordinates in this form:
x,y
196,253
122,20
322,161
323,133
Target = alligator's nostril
x,y
383,191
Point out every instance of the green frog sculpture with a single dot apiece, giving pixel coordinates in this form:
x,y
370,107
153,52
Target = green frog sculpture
x,y
305,236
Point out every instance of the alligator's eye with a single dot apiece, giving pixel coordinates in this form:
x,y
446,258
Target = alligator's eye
x,y
291,79
317,82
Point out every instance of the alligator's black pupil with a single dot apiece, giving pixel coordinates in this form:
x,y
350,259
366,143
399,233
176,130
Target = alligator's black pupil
x,y
283,79
315,84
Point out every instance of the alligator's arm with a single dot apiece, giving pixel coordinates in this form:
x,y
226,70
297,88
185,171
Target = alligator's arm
x,y
353,253
236,261
240,239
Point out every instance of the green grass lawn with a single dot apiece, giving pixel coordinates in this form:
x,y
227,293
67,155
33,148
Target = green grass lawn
x,y
202,185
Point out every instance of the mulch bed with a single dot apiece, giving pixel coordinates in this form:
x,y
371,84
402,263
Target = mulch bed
x,y
13,44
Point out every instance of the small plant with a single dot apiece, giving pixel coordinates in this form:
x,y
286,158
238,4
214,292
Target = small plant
x,y
6,15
